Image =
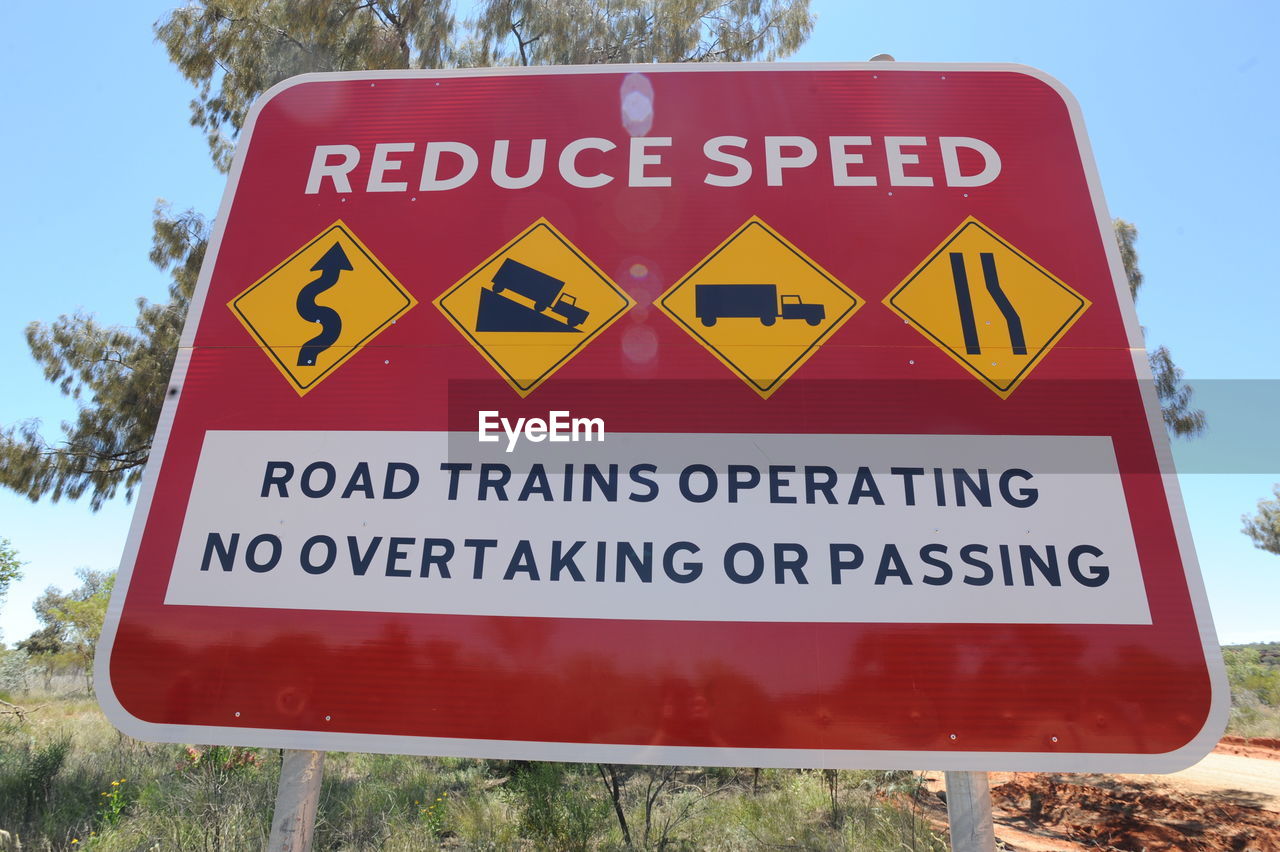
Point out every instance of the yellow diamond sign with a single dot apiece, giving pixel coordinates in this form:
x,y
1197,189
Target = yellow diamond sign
x,y
533,305
987,305
321,306
759,305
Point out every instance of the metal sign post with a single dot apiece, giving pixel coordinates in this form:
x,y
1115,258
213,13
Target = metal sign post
x,y
295,816
969,812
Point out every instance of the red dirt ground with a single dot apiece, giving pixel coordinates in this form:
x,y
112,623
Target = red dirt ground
x,y
1124,816
1037,812
1265,748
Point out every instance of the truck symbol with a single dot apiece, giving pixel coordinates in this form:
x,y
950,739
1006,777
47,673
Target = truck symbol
x,y
758,301
500,312
567,307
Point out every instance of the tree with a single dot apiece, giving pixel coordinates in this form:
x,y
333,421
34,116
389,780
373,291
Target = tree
x,y
1264,527
72,622
1180,418
577,32
117,375
45,642
234,50
10,567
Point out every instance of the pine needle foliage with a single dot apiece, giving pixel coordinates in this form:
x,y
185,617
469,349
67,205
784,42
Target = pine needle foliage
x,y
1264,526
234,50
582,32
1181,418
117,376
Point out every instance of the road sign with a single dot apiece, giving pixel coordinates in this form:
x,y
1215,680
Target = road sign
x,y
307,340
532,305
763,415
761,331
1000,330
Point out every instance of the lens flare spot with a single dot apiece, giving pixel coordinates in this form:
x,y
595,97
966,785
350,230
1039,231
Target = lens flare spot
x,y
640,344
636,104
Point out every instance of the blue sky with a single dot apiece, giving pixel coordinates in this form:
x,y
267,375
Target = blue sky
x,y
1179,99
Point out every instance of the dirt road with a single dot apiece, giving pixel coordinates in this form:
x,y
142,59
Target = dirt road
x,y
1242,780
1228,801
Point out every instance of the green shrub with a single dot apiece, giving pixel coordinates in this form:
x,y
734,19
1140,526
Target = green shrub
x,y
38,766
562,805
1255,692
57,770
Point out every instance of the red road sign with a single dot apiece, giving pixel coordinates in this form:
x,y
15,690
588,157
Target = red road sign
x,y
882,481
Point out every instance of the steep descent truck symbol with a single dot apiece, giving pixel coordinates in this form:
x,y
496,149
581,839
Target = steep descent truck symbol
x,y
759,301
499,312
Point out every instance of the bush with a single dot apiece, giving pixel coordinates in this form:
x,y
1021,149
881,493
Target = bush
x,y
562,805
17,674
66,775
1255,692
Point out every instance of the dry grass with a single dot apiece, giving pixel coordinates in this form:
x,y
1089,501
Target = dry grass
x,y
57,769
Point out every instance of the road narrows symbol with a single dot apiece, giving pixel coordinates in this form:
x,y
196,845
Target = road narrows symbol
x,y
1000,332
964,302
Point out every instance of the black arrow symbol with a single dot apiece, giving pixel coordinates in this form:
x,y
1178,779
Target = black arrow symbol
x,y
330,266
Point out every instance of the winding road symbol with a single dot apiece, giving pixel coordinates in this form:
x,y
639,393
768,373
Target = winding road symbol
x,y
330,266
